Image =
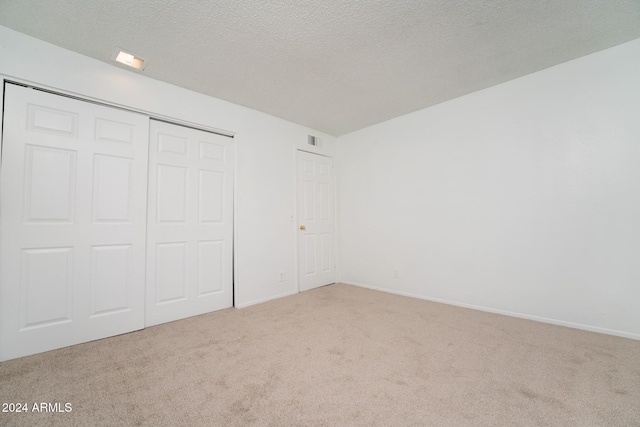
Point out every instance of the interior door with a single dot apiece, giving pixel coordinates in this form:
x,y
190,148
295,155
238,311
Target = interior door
x,y
316,264
72,221
190,223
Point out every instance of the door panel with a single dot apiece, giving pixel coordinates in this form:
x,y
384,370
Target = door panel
x,y
315,214
210,261
172,194
210,196
50,184
47,287
112,189
72,220
110,279
190,226
171,272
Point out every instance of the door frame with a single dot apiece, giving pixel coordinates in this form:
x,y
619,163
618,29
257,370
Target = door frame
x,y
296,219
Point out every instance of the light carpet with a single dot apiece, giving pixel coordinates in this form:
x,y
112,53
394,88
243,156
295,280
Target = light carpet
x,y
337,355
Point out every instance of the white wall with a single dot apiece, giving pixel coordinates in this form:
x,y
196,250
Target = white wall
x,y
523,198
265,151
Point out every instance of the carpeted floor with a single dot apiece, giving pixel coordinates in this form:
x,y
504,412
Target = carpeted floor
x,y
337,355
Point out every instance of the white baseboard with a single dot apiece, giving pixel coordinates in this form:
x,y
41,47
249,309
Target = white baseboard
x,y
258,301
504,312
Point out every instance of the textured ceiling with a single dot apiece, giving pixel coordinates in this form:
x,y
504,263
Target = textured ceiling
x,y
333,65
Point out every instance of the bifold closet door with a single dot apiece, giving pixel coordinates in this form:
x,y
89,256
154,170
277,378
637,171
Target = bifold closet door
x,y
72,221
190,223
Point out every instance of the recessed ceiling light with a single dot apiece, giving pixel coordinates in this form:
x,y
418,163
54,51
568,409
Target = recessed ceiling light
x,y
127,58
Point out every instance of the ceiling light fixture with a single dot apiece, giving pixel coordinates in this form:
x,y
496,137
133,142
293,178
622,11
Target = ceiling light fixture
x,y
127,58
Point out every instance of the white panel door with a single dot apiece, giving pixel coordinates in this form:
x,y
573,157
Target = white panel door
x,y
315,219
190,223
72,222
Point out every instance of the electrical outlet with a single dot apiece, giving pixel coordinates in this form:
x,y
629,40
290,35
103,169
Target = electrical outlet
x,y
396,273
282,276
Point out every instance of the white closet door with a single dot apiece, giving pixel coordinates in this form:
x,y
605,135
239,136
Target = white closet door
x,y
72,222
316,265
190,223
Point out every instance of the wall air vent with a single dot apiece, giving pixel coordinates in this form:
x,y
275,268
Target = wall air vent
x,y
315,141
